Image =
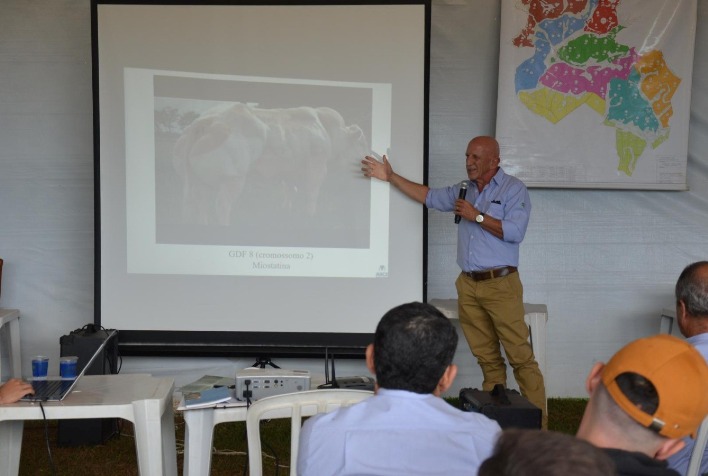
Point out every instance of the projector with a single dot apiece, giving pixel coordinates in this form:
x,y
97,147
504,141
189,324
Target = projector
x,y
256,383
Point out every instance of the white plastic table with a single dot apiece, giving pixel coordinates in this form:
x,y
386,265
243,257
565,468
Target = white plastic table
x,y
10,321
144,400
199,426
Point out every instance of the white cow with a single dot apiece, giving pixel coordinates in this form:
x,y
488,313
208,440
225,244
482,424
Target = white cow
x,y
291,147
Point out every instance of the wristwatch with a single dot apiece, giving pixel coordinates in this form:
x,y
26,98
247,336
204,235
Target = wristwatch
x,y
479,218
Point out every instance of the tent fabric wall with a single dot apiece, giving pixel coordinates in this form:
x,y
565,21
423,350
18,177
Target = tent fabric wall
x,y
604,262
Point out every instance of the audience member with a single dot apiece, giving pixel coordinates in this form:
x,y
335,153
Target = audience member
x,y
535,452
405,428
651,394
692,319
13,390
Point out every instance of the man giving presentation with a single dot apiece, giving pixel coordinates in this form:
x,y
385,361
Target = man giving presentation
x,y
494,213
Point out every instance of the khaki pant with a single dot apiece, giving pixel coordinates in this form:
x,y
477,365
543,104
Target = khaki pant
x,y
492,312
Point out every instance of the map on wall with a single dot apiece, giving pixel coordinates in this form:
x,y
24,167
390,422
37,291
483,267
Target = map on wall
x,y
596,93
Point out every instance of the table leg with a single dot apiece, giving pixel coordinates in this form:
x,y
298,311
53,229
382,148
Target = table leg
x,y
169,445
10,446
15,354
198,436
149,439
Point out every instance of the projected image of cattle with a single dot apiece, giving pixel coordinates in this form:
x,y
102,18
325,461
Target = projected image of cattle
x,y
252,170
288,150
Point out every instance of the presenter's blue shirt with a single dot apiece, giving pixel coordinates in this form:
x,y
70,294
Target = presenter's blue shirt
x,y
505,198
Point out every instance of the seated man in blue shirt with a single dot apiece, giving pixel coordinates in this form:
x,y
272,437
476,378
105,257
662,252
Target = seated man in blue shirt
x,y
405,428
692,320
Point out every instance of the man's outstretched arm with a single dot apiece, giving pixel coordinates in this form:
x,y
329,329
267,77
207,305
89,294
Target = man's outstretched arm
x,y
382,170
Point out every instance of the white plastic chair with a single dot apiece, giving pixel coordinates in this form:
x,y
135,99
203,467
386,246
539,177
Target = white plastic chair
x,y
295,406
699,447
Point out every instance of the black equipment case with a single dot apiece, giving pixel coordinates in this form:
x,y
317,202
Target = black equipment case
x,y
507,407
83,344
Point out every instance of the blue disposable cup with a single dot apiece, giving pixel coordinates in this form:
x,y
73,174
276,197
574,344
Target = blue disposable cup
x,y
40,365
67,367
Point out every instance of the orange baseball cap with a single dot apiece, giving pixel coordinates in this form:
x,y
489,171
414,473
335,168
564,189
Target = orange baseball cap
x,y
678,372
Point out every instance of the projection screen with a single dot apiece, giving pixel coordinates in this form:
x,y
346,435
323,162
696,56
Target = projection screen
x,y
231,213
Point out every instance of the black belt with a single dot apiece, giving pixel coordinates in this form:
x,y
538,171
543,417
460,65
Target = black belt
x,y
490,273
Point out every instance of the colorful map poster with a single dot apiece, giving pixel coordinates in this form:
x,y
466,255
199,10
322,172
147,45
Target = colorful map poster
x,y
596,93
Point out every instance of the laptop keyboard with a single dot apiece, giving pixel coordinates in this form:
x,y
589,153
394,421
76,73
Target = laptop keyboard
x,y
48,389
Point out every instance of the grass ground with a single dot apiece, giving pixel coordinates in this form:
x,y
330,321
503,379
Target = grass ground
x,y
117,455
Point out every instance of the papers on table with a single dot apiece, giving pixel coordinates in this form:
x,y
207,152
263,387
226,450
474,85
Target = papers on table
x,y
207,398
207,382
209,391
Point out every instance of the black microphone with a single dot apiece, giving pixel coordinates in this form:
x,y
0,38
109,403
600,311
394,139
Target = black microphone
x,y
463,194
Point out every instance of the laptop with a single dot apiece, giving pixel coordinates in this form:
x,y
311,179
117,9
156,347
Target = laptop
x,y
56,389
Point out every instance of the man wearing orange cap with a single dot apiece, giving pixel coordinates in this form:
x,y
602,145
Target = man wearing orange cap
x,y
651,394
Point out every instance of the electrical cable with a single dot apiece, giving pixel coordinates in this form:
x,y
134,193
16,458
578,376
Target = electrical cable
x,y
275,456
245,436
247,393
46,439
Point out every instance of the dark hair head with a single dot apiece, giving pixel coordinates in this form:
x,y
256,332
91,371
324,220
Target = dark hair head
x,y
413,345
534,452
692,288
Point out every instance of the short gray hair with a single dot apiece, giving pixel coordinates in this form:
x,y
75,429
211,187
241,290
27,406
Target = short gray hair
x,y
692,289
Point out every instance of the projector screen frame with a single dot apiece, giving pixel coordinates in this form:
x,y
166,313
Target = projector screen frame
x,y
239,344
